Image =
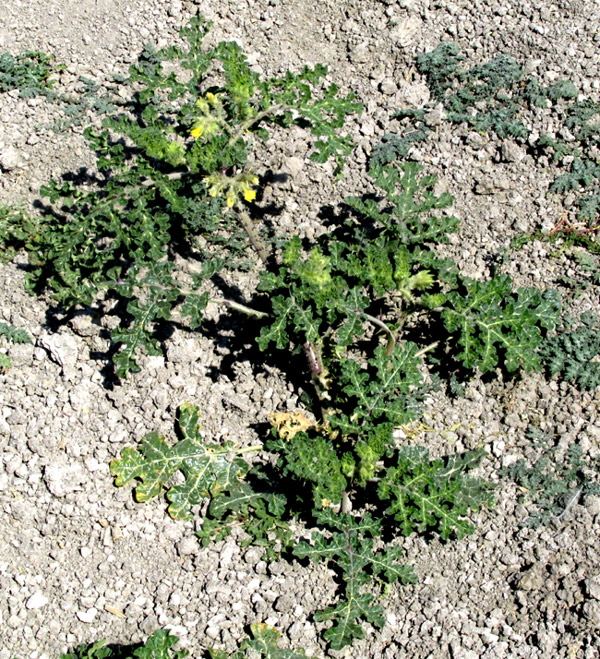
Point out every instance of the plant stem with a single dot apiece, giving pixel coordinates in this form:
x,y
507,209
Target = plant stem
x,y
253,120
255,240
391,344
426,349
240,307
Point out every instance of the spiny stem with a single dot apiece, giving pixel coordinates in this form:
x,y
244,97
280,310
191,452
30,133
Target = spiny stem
x,y
570,503
253,120
248,449
255,240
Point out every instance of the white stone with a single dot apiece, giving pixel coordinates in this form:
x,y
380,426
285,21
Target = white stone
x,y
10,159
61,478
87,616
36,601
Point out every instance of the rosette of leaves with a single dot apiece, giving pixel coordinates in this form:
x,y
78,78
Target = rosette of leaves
x,y
552,481
263,643
172,182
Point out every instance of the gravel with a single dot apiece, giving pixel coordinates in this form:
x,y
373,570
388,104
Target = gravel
x,y
81,560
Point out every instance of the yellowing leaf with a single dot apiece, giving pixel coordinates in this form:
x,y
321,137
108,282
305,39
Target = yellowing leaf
x,y
289,424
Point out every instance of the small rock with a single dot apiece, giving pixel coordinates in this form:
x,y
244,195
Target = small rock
x,y
292,166
592,587
62,478
489,638
15,622
475,140
175,8
388,87
62,348
512,152
87,616
252,556
405,32
359,54
484,186
592,504
187,546
10,159
414,94
82,324
434,118
226,555
532,579
36,601
284,604
591,610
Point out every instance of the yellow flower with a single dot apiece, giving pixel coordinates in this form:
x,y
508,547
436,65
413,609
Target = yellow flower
x,y
249,194
230,201
196,132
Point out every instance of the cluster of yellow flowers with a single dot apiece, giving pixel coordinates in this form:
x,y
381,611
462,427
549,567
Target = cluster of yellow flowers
x,y
211,119
232,186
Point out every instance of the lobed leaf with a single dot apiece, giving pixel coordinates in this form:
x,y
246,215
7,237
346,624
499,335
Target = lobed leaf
x,y
350,547
493,323
433,495
207,469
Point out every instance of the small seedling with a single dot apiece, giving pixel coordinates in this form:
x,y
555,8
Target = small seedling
x,y
29,72
552,484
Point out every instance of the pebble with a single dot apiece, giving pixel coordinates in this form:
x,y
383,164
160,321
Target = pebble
x,y
187,546
62,478
388,87
592,587
10,159
226,555
87,616
37,601
512,152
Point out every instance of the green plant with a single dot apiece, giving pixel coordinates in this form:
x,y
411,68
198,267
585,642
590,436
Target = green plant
x,y
370,309
495,97
14,335
175,184
348,305
16,228
574,353
157,646
264,642
160,646
587,269
550,482
28,72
